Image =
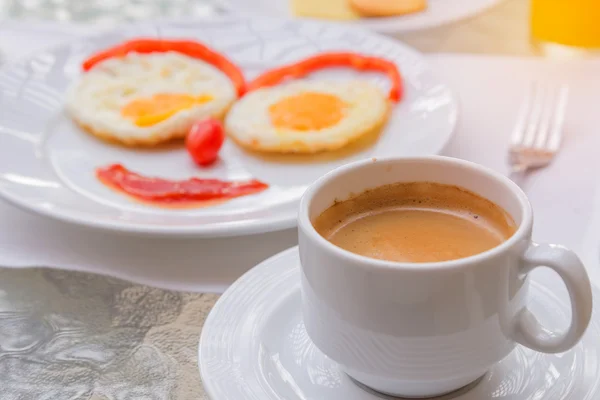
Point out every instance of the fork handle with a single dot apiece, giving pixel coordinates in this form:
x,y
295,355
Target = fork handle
x,y
517,169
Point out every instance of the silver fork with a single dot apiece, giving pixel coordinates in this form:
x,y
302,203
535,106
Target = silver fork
x,y
539,129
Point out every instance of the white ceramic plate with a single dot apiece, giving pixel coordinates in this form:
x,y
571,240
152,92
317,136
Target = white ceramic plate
x,y
254,346
47,164
438,12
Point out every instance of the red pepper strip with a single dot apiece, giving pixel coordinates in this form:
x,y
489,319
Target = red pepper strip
x,y
328,60
187,47
166,191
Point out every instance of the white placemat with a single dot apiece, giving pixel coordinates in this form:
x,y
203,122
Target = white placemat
x,y
564,195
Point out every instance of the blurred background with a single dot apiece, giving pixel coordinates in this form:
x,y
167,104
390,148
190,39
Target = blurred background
x,y
102,12
516,27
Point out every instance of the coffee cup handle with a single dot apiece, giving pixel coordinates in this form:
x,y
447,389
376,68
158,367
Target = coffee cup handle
x,y
527,330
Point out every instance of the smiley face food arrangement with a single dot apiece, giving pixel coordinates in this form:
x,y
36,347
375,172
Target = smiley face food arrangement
x,y
146,92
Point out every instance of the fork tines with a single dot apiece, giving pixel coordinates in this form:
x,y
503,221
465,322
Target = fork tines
x,y
538,131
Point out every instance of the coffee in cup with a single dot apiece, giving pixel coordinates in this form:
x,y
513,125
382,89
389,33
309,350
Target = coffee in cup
x,y
416,222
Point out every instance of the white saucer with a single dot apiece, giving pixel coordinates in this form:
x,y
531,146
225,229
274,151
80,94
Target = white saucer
x,y
254,346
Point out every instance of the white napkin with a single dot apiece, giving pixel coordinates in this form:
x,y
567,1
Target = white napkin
x,y
206,265
564,195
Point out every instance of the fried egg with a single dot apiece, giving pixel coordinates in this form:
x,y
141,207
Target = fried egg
x,y
307,116
146,99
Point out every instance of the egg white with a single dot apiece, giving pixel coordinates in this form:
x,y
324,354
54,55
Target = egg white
x,y
96,100
249,123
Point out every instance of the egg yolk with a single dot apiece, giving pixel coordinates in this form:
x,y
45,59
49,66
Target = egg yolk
x,y
307,111
152,110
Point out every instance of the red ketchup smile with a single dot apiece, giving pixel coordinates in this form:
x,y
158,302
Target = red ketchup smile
x,y
170,193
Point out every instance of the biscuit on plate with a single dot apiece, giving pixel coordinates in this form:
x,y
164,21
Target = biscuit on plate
x,y
387,8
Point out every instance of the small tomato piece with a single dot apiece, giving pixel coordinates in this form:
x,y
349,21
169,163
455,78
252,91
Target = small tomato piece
x,y
204,141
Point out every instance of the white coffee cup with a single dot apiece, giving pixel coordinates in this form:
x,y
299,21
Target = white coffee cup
x,y
418,330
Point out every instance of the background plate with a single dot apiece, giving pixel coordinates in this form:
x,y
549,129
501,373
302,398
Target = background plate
x,y
438,12
47,164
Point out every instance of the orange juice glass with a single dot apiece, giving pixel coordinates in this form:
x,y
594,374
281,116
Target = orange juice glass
x,y
573,23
